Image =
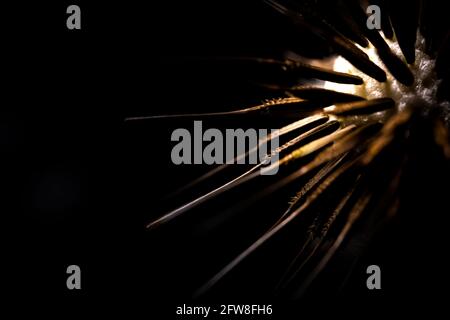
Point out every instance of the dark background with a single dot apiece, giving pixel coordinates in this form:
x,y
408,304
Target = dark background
x,y
79,184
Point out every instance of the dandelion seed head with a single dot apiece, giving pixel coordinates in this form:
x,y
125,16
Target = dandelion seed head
x,y
422,93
